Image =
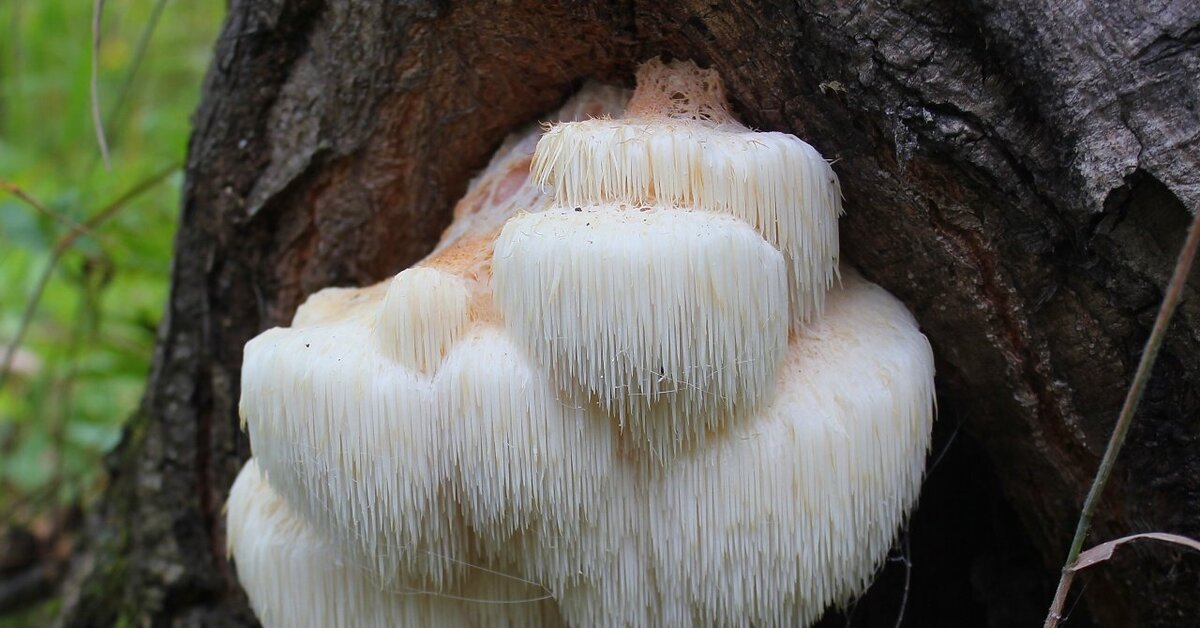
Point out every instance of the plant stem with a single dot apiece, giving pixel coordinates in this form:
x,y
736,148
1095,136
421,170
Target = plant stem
x,y
60,249
97,118
1174,290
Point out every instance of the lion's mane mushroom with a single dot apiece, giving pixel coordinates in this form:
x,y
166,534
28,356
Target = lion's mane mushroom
x,y
296,577
393,419
661,410
672,320
676,239
678,145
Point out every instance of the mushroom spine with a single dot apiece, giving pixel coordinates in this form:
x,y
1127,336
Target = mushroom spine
x,y
627,390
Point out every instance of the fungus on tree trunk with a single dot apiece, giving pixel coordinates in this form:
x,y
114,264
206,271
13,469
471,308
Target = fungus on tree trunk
x,y
662,409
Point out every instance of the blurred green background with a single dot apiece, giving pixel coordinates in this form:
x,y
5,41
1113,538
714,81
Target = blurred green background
x,y
89,334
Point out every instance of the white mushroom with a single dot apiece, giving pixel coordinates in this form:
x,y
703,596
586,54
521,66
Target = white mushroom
x,y
295,578
367,413
671,320
424,313
678,145
625,423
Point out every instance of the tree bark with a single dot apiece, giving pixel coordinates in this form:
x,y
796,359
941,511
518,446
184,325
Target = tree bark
x,y
1019,172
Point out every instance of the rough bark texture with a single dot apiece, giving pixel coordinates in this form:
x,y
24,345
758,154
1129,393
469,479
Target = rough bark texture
x,y
1019,172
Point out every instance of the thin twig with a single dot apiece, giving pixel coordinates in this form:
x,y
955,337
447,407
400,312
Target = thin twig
x,y
907,557
1182,267
60,248
10,352
850,614
29,200
83,329
1075,604
139,54
945,450
117,107
97,119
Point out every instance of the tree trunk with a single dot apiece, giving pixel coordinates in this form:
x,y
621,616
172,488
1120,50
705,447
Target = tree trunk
x,y
1019,173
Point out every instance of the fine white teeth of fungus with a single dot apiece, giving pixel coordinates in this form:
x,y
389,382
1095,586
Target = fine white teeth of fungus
x,y
424,313
671,320
348,437
416,461
787,513
809,494
295,578
357,442
678,144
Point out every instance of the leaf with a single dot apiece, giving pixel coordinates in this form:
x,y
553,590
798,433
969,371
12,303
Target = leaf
x,y
1104,551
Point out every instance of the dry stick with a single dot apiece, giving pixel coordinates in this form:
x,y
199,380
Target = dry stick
x,y
1141,376
139,54
60,249
97,119
115,111
907,557
18,192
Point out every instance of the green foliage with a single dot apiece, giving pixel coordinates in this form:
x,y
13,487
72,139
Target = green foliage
x,y
40,613
93,327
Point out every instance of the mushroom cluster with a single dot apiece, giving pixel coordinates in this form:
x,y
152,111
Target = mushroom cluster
x,y
650,398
